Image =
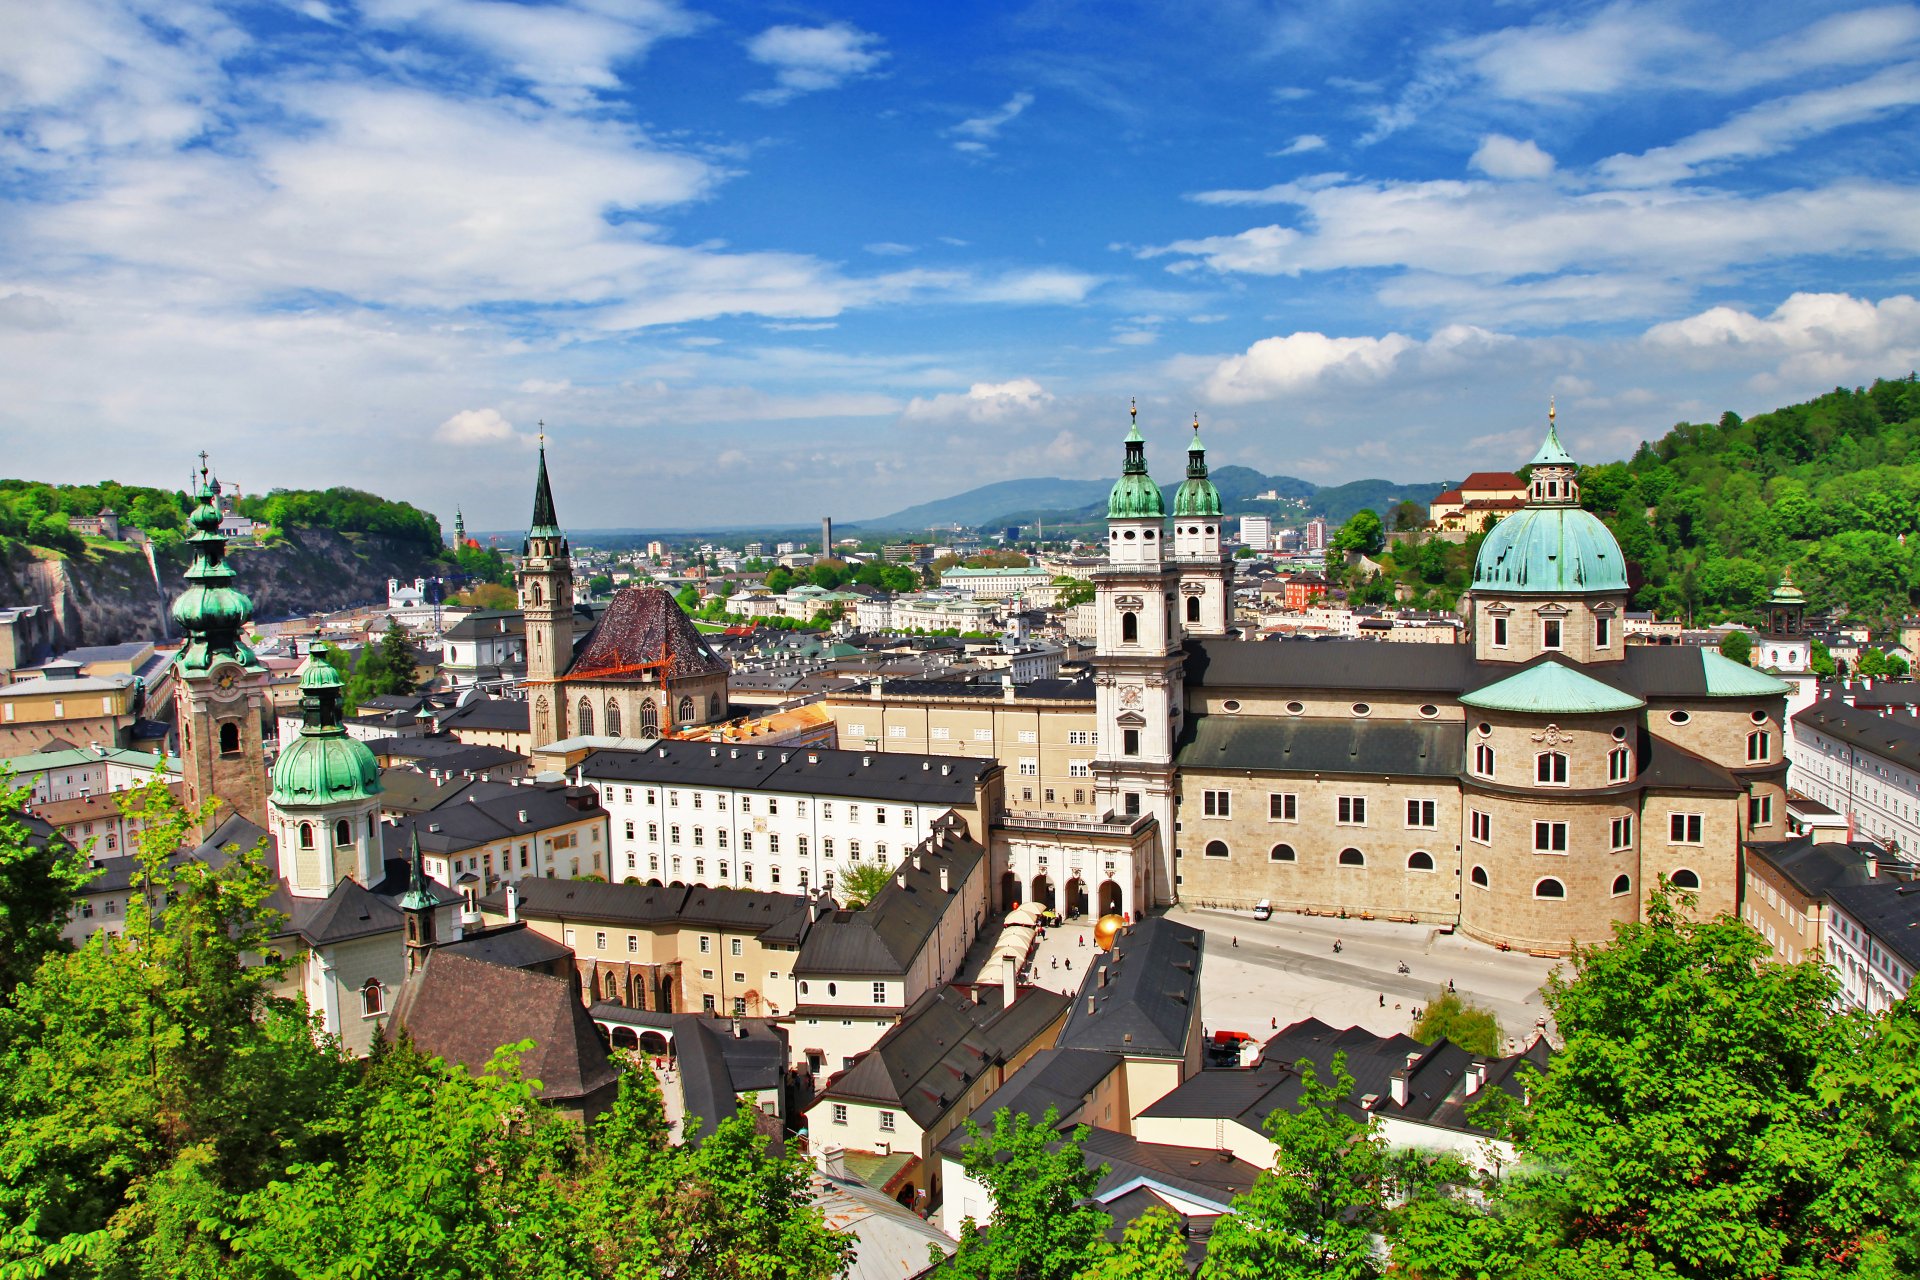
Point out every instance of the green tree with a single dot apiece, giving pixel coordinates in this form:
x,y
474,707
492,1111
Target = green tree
x,y
1362,532
1885,1079
1044,1226
1820,660
1737,645
487,595
862,881
1447,1016
1685,1125
1315,1213
1408,515
1073,591
600,584
688,598
830,574
1153,1248
38,878
398,675
780,579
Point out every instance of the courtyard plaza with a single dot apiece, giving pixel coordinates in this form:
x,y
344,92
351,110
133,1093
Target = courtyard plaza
x,y
1285,969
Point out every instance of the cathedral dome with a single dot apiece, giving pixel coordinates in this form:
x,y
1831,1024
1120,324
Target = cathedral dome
x,y
323,765
1196,496
1135,496
1550,550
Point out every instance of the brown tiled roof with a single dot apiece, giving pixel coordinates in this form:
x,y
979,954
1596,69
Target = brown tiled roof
x,y
1492,480
641,628
1450,495
462,1010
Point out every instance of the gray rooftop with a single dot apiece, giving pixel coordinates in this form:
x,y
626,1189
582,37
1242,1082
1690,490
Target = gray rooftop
x,y
1139,999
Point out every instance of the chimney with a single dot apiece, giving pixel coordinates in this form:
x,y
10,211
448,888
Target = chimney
x,y
1400,1088
513,904
945,887
1476,1077
1009,970
901,879
919,864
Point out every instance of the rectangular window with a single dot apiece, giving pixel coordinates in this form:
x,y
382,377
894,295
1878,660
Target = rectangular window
x,y
1483,759
1550,633
1620,833
673,834
939,734
879,993
600,941
734,947
1603,632
1619,764
857,730
1079,768
633,944
699,837
629,830
1759,747
1480,827
896,731
1759,811
1499,632
826,846
1283,806
1353,811
706,945
746,842
1683,828
1549,837
805,842
1550,767
773,846
696,799
983,735
1421,813
773,806
1215,804
886,1121
1029,735
1029,767
1078,737
826,811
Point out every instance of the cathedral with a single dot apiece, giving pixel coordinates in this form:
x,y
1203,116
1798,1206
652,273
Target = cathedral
x,y
644,669
1529,788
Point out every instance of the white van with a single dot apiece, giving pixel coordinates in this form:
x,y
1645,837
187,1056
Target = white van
x,y
1263,910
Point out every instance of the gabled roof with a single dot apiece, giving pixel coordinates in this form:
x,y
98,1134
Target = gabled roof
x,y
1265,743
1140,999
1552,689
1729,679
462,1009
774,916
886,776
642,629
887,937
1484,480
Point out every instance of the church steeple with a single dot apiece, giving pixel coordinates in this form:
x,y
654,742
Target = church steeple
x,y
546,524
459,530
1554,480
212,612
545,580
418,904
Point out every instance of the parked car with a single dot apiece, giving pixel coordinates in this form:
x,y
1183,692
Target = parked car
x,y
1263,910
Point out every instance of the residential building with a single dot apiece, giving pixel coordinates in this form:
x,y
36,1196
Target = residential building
x,y
1482,499
497,832
994,583
487,650
62,706
1865,764
1256,533
66,773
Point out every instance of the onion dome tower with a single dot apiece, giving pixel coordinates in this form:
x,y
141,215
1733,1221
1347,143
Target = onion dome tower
x,y
1550,577
324,808
1206,570
220,698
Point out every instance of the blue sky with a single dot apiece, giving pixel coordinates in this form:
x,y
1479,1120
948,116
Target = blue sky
x,y
758,262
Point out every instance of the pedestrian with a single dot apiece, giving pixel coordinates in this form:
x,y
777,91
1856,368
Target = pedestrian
x,y
1083,940
1274,1023
1383,999
1449,986
1069,964
1056,962
1236,939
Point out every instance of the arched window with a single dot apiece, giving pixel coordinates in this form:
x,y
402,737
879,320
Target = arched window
x,y
1549,888
613,985
1684,879
1352,858
649,719
1129,628
343,832
1193,608
1619,765
229,738
373,1001
1621,885
686,711
1483,760
1759,747
585,716
1420,860
613,719
1282,853
1216,849
537,596
1550,768
1479,876
370,826
306,835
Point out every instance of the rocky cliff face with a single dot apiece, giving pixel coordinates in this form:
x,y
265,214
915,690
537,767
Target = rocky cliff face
x,y
110,594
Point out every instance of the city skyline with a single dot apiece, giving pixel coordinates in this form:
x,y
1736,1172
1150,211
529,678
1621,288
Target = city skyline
x,y
847,258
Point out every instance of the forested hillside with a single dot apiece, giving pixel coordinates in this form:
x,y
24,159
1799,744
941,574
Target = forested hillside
x,y
1710,514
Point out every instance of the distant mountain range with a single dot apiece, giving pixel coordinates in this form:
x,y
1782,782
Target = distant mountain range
x,y
1069,502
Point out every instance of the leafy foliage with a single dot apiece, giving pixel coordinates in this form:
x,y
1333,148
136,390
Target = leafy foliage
x,y
862,881
1472,1028
346,511
1043,1226
1152,1248
38,878
37,513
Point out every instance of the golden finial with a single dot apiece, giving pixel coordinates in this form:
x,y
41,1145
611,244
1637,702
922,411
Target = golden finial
x,y
1550,411
1133,408
1196,422
543,433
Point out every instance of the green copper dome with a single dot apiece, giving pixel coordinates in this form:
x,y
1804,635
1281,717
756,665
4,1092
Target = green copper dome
x,y
1551,546
323,765
1135,496
211,612
1196,496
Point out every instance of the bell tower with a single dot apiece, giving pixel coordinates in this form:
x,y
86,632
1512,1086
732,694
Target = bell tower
x,y
545,580
1139,688
1206,569
1784,647
324,809
220,689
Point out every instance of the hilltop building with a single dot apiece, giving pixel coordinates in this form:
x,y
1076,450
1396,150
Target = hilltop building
x,y
1482,498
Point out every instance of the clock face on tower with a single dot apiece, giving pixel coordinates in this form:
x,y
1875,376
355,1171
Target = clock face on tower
x,y
226,680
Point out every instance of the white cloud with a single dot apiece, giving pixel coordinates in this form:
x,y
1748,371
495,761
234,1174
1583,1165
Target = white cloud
x,y
888,249
562,49
545,386
810,59
1502,157
982,402
1301,145
474,426
1811,337
974,135
1298,361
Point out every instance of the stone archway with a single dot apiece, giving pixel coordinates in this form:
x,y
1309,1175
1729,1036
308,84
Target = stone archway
x,y
663,994
1110,898
1076,898
1009,891
655,1045
1043,892
625,1038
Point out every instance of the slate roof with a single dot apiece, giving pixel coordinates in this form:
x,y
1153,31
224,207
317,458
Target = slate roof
x,y
926,1062
490,818
899,777
885,938
1139,999
714,1063
776,917
893,1240
513,945
1371,1059
644,625
1057,1078
1051,689
1814,867
1401,747
482,623
407,790
1888,737
444,754
1887,909
1667,766
462,1009
492,715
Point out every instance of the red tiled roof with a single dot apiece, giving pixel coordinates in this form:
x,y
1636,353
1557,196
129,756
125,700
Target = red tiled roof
x,y
1493,480
1451,495
641,628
